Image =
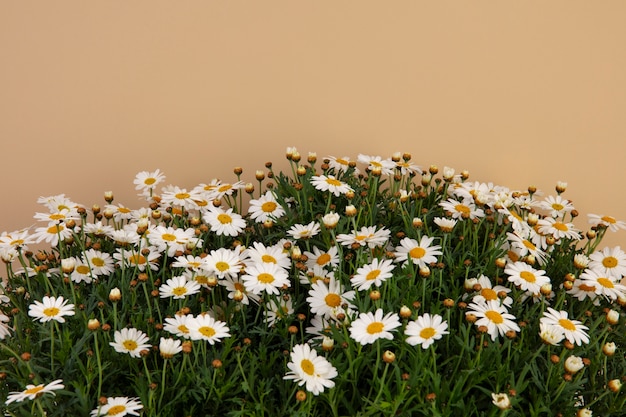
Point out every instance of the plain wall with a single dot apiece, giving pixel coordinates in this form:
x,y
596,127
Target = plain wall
x,y
518,93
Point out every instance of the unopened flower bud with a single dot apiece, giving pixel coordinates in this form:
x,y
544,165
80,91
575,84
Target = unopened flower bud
x,y
375,295
560,187
609,348
330,220
573,364
615,385
351,211
501,400
93,324
417,223
301,395
612,317
389,356
108,196
327,344
68,265
115,294
405,312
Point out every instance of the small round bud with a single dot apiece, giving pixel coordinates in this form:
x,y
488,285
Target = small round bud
x,y
301,395
609,348
115,294
573,364
615,385
389,356
375,295
93,324
405,312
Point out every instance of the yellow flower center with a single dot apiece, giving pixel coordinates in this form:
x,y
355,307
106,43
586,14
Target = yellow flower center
x,y
268,259
224,188
51,311
168,237
587,288
462,208
269,206
557,206
494,316
567,325
341,161
97,261
124,210
130,344
116,409
53,230
239,287
605,282
488,294
528,276
82,269
609,262
307,366
529,244
17,242
182,196
265,278
375,327
178,291
34,390
427,332
609,219
183,329
224,218
222,266
332,300
561,226
372,275
417,252
149,181
323,259
207,331
333,181
137,259
57,216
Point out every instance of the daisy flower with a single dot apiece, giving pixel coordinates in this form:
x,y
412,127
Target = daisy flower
x,y
265,277
120,212
329,300
603,284
368,235
188,262
17,239
148,257
131,341
490,293
170,239
608,221
425,330
205,327
98,229
276,311
341,164
234,284
126,236
419,253
178,288
119,407
259,253
408,168
178,325
82,272
386,166
265,208
446,225
300,231
526,277
34,391
101,263
558,229
462,210
494,316
146,181
370,327
331,184
180,197
374,273
573,330
51,234
551,335
5,330
223,262
317,273
318,257
169,347
217,190
51,308
308,369
609,261
584,289
224,222
556,205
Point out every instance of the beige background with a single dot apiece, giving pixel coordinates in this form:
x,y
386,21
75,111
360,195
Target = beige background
x,y
518,93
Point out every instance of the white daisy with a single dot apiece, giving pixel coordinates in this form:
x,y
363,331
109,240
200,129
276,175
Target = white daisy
x,y
584,289
522,244
119,407
446,225
462,210
131,341
331,184
224,222
5,330
98,229
178,288
265,277
236,287
341,164
425,330
420,253
205,327
259,253
494,316
223,262
300,231
148,257
119,211
608,221
147,181
101,263
552,335
558,229
370,327
556,205
488,292
51,234
374,273
329,300
178,325
170,239
526,277
277,310
309,369
169,347
368,235
329,258
265,208
609,261
573,330
51,308
34,391
376,163
604,284
180,197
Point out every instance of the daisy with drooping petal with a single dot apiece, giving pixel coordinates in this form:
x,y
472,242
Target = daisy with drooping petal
x,y
609,261
420,253
376,163
180,197
205,327
582,290
374,273
494,316
5,330
51,234
526,277
34,391
522,245
611,222
308,369
265,277
341,164
462,210
217,189
265,208
119,407
425,330
603,284
331,184
131,341
408,168
573,330
259,253
300,231
277,310
488,292
178,288
178,325
370,327
551,335
328,259
119,212
170,239
237,288
556,205
446,225
558,229
51,308
101,263
327,300
224,222
190,262
368,235
223,262
169,347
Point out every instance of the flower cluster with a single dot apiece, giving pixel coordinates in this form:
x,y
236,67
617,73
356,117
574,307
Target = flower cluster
x,y
364,286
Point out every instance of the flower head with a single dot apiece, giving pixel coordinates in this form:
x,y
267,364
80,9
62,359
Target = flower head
x,y
425,330
118,407
572,330
131,341
35,391
51,308
309,369
370,327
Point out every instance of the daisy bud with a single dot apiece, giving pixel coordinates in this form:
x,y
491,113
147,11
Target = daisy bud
x,y
301,395
584,412
568,285
295,157
108,196
389,357
405,312
330,220
296,253
351,211
25,356
612,317
237,295
238,170
249,187
395,157
550,240
555,359
187,346
560,187
93,324
573,364
465,175
621,300
156,214
68,265
591,234
350,195
470,283
430,397
301,170
312,158
327,344
424,271
108,213
580,261
568,345
289,153
95,209
375,295
609,348
448,174
426,177
546,289
115,294
501,400
216,363
501,263
417,223
448,303
433,169
615,385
